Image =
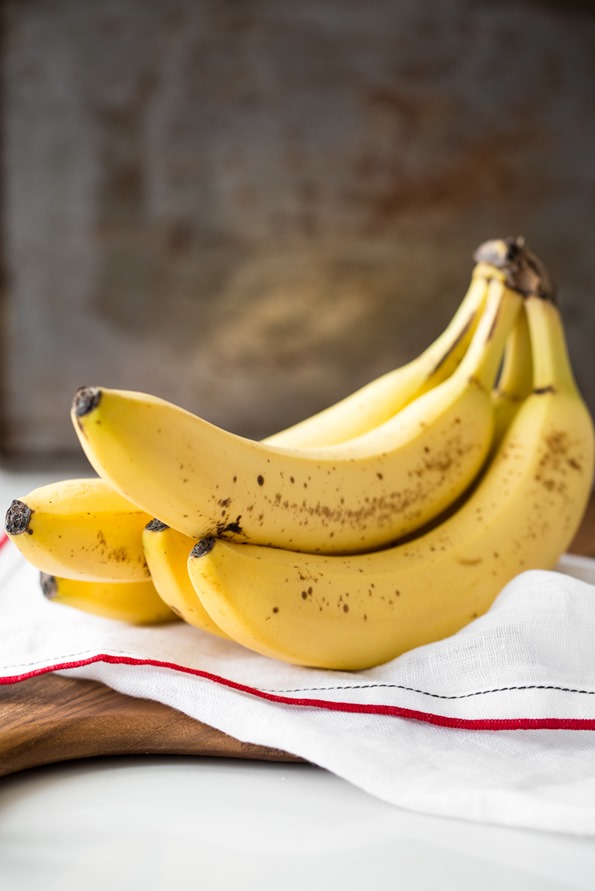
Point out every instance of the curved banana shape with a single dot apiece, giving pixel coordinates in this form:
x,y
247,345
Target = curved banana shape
x,y
202,480
166,553
356,612
136,603
80,528
380,399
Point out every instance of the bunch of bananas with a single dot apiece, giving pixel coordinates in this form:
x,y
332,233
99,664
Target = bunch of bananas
x,y
389,520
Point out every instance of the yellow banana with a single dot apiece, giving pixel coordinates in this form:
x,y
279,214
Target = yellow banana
x,y
516,377
80,528
136,603
352,497
83,552
379,400
166,552
354,415
354,612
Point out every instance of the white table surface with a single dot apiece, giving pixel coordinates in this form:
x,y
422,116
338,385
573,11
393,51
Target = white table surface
x,y
210,823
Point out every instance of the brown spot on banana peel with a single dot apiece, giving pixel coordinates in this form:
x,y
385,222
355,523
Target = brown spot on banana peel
x,y
383,508
119,555
556,461
225,528
18,518
472,380
514,398
234,528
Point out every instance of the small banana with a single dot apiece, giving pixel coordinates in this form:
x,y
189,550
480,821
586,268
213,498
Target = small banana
x,y
380,399
352,497
136,603
80,528
166,553
354,612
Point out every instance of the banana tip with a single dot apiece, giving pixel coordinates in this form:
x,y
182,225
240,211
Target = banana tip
x,y
49,585
85,400
18,517
156,525
203,547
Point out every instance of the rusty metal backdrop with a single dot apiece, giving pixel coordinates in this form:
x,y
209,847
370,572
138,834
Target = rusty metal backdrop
x,y
253,207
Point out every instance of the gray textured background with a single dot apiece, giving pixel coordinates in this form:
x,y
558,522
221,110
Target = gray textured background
x,y
253,207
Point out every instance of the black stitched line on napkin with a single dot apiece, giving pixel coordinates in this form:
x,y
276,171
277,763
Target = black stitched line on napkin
x,y
339,687
435,695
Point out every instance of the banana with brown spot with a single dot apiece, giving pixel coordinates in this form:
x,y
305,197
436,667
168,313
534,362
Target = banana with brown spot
x,y
355,612
352,497
80,528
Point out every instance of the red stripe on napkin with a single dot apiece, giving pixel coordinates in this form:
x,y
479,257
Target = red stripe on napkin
x,y
356,708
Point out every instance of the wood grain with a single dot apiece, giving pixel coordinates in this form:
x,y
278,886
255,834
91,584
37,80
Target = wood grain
x,y
53,718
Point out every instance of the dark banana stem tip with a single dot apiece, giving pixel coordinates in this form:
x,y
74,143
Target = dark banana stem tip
x,y
18,517
203,547
85,400
525,272
49,585
156,525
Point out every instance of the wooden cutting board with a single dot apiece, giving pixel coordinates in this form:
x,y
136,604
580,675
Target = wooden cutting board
x,y
54,718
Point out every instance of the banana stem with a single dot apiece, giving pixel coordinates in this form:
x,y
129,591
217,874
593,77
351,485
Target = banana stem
x,y
516,376
525,272
551,363
520,268
484,356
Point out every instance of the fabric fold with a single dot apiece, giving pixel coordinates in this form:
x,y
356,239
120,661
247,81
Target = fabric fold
x,y
492,724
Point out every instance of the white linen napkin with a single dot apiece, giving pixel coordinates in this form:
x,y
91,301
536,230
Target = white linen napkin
x,y
493,724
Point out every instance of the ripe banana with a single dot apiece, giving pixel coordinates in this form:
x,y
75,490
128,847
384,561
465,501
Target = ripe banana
x,y
136,603
166,552
379,400
354,612
80,528
353,497
62,545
